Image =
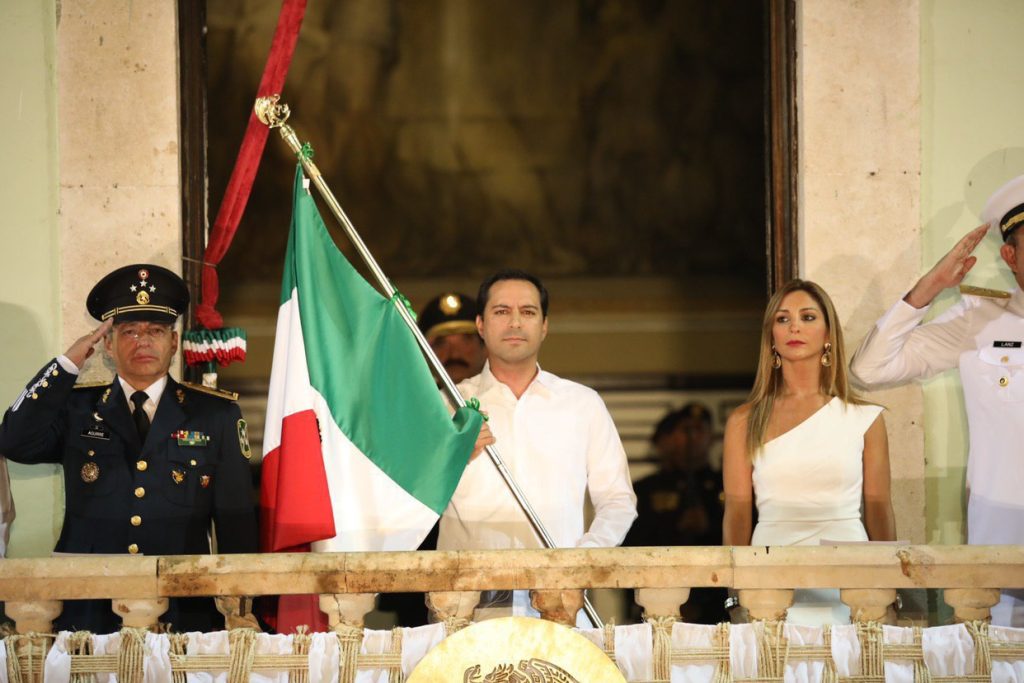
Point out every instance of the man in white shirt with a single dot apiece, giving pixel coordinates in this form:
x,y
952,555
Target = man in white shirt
x,y
555,436
983,336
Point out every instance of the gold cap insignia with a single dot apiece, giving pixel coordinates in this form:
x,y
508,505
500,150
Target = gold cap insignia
x,y
143,274
204,481
178,476
450,304
142,297
90,472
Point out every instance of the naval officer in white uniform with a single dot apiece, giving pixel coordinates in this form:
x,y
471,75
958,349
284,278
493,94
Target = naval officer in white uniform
x,y
983,336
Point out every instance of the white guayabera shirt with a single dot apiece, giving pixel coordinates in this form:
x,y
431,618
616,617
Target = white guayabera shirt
x,y
559,443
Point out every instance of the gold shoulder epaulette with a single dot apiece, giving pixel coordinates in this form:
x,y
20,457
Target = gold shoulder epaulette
x,y
984,291
91,385
219,393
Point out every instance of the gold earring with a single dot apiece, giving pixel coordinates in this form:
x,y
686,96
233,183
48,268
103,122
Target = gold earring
x,y
776,359
826,358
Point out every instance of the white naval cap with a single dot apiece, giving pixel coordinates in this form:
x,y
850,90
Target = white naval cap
x,y
1005,208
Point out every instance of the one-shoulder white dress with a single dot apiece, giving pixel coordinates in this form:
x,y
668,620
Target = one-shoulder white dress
x,y
808,484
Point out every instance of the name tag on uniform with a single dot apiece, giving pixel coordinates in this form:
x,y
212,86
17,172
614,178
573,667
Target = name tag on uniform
x,y
1006,344
96,432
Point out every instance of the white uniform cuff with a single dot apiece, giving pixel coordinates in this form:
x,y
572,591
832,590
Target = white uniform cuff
x,y
66,363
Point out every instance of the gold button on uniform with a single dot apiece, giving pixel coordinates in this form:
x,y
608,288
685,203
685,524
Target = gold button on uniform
x,y
192,462
136,520
141,465
1005,359
140,492
1003,381
133,548
92,453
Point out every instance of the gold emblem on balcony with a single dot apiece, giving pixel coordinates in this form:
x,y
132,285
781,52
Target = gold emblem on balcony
x,y
527,671
516,650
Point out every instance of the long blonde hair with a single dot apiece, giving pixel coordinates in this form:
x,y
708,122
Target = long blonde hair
x,y
768,382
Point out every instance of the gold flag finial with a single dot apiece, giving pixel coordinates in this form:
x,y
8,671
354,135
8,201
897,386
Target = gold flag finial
x,y
270,113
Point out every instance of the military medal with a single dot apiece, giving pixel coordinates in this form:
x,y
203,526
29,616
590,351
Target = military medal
x,y
90,472
106,395
204,481
178,476
180,393
187,438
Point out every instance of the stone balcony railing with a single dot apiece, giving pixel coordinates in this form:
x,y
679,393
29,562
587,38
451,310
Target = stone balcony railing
x,y
867,576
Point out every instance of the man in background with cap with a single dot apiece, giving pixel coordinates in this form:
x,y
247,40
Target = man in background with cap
x,y
682,503
983,336
449,324
148,463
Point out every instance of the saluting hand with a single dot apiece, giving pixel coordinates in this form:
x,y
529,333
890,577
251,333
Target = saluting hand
x,y
949,271
485,439
84,346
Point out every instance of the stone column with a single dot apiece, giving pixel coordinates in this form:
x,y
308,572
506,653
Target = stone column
x,y
347,609
140,613
972,604
661,602
768,604
33,617
559,606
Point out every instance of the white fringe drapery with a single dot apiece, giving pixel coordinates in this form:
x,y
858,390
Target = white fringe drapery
x,y
660,651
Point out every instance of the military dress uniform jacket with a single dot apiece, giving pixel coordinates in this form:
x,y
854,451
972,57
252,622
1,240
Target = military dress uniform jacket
x,y
984,338
124,496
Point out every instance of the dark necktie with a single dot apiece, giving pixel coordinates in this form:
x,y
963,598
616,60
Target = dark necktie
x,y
141,419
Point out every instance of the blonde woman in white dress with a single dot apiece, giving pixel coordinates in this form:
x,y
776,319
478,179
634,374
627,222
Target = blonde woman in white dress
x,y
811,454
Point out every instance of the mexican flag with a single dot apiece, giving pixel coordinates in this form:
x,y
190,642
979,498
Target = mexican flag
x,y
360,451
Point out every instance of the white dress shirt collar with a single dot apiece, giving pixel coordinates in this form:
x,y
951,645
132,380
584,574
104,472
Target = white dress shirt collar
x,y
154,391
541,382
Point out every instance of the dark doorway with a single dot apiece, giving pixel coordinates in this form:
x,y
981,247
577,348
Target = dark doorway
x,y
647,145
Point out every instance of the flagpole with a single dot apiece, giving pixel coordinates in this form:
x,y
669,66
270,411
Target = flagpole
x,y
274,115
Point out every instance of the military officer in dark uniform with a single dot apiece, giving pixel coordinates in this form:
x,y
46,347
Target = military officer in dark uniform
x,y
148,463
449,324
682,503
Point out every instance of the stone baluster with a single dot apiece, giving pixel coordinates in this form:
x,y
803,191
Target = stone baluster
x,y
766,603
559,606
869,604
453,608
237,612
661,602
140,613
34,617
972,604
347,609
